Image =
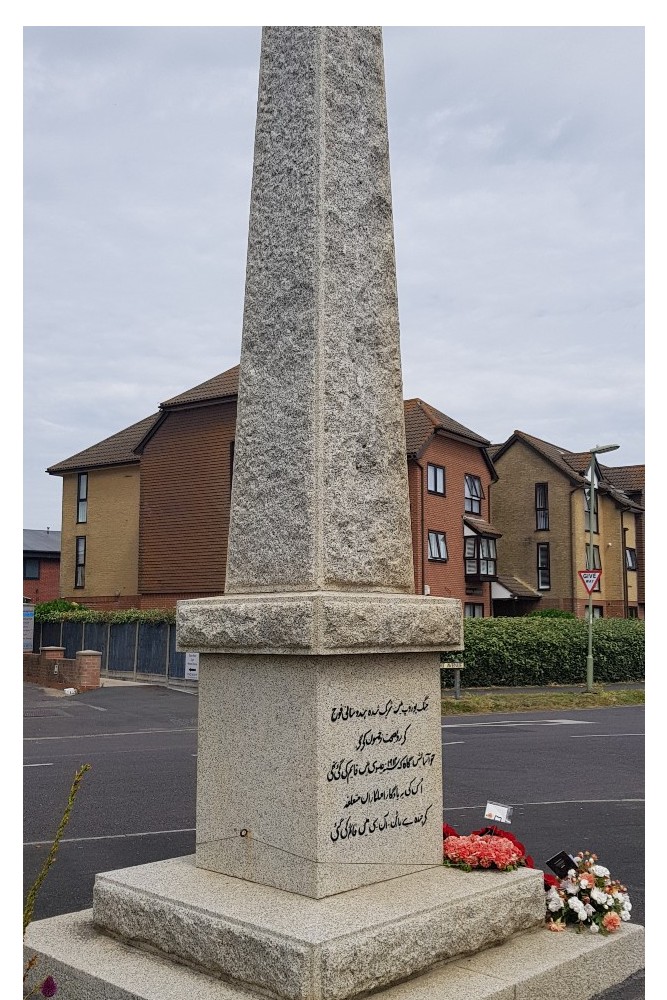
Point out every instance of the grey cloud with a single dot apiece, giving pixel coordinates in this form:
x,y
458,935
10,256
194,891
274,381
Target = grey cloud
x,y
517,176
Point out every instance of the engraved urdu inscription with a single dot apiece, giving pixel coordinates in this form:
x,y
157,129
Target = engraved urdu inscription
x,y
383,745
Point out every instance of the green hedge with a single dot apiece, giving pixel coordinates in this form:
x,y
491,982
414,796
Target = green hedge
x,y
518,652
499,652
52,612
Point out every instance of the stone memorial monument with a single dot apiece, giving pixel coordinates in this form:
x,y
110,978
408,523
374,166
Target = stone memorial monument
x,y
318,868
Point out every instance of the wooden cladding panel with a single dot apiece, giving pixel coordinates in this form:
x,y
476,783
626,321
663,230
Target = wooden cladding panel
x,y
185,498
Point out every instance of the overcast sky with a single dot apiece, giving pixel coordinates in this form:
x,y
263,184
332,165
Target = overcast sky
x,y
517,160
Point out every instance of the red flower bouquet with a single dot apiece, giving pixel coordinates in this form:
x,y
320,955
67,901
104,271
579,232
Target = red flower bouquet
x,y
488,847
486,851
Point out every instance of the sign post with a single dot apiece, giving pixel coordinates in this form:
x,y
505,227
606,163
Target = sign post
x,y
592,517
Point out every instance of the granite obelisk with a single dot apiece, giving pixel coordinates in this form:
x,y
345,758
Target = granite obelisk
x,y
320,497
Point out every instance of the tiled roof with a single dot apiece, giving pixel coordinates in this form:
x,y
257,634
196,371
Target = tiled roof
x,y
115,450
629,478
579,461
481,527
423,420
225,384
517,587
574,464
37,540
560,457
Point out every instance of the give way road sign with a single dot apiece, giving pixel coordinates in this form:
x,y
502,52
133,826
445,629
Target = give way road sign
x,y
590,578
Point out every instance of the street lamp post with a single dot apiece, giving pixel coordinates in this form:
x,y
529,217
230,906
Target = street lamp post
x,y
597,450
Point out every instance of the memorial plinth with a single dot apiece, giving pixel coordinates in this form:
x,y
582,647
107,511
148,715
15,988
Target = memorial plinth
x,y
318,868
319,774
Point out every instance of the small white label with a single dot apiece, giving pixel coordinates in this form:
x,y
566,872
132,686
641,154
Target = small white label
x,y
192,666
498,813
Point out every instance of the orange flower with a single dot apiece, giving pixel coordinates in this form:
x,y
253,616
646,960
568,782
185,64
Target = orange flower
x,y
554,925
587,881
611,922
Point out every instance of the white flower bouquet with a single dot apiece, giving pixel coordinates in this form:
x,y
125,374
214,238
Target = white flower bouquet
x,y
588,898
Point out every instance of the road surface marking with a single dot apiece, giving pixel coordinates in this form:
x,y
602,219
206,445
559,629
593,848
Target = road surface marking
x,y
555,802
94,736
110,836
39,765
527,722
593,736
454,743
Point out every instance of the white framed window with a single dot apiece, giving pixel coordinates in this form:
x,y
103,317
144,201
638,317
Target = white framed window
x,y
473,494
437,546
480,555
473,610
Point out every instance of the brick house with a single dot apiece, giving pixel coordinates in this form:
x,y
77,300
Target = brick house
x,y
630,480
146,511
540,504
99,561
449,475
41,565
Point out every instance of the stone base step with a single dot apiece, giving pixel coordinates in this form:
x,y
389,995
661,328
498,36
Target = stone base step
x,y
293,947
534,965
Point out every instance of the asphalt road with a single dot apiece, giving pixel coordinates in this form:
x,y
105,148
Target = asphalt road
x,y
575,781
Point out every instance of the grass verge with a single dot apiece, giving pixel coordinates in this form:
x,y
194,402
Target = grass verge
x,y
539,701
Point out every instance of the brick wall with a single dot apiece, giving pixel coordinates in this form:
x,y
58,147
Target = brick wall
x,y
513,513
47,587
49,668
111,532
433,512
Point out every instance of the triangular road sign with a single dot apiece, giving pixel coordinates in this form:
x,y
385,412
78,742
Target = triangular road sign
x,y
590,578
